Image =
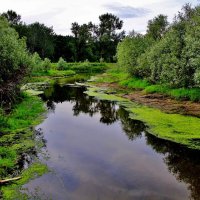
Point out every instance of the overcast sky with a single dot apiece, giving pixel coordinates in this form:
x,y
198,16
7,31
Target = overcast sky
x,y
61,13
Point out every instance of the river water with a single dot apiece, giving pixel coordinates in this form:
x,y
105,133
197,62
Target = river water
x,y
94,151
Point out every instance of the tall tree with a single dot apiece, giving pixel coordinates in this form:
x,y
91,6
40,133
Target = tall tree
x,y
40,38
12,17
109,35
157,27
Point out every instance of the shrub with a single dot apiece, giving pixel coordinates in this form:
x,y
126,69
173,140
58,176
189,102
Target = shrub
x,y
36,63
61,64
15,61
46,64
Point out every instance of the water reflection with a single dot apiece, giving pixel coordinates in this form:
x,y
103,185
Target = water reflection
x,y
182,163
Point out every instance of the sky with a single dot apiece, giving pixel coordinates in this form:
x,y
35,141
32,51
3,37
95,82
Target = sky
x,y
61,13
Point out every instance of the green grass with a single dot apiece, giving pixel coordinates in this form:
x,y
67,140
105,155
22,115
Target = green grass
x,y
23,115
134,83
87,67
116,75
17,138
35,79
174,127
57,73
192,94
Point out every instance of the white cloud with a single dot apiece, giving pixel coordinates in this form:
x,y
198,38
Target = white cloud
x,y
61,13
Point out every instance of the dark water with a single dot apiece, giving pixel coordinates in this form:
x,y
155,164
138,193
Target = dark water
x,y
96,152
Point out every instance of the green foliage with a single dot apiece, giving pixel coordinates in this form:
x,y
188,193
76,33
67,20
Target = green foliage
x,y
15,62
36,62
14,58
157,27
129,50
87,67
172,58
61,64
56,73
12,17
46,64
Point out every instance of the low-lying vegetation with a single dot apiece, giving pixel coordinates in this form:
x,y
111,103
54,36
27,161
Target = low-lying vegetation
x,y
17,139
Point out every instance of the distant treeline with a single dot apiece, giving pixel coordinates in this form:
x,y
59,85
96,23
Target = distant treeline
x,y
167,54
88,41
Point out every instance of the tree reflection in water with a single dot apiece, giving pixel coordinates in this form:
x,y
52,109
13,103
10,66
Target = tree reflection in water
x,y
183,163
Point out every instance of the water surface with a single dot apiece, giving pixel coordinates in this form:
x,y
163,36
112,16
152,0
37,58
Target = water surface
x,y
96,152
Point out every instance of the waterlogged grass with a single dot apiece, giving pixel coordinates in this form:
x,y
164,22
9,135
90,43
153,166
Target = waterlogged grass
x,y
174,127
12,191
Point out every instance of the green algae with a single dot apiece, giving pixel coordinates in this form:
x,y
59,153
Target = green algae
x,y
17,137
14,190
177,128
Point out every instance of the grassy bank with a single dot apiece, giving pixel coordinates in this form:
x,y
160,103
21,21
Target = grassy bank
x,y
123,79
174,127
17,138
69,69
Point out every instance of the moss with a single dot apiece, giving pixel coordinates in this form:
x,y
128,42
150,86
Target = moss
x,y
17,137
174,127
12,191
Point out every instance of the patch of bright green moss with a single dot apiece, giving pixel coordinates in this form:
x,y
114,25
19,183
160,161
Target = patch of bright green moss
x,y
17,138
12,191
174,127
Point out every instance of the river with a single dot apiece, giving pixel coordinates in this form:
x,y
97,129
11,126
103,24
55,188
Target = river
x,y
94,151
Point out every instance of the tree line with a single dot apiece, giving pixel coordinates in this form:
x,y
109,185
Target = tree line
x,y
88,41
167,54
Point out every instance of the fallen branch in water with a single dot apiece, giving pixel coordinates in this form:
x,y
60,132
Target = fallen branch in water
x,y
10,179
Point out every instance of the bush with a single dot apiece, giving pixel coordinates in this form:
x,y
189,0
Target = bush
x,y
15,61
36,62
61,64
46,64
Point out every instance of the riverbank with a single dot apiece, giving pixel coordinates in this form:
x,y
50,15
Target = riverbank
x,y
18,141
164,117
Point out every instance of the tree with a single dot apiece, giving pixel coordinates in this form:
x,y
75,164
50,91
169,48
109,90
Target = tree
x,y
157,27
129,50
14,61
108,36
46,64
61,64
12,17
84,41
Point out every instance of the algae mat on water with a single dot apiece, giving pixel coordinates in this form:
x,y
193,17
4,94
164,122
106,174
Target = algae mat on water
x,y
174,127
